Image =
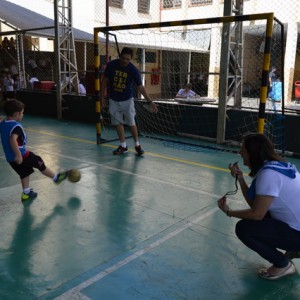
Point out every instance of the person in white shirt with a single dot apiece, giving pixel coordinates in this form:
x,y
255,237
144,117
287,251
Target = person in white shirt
x,y
187,92
32,80
272,221
8,83
8,86
82,89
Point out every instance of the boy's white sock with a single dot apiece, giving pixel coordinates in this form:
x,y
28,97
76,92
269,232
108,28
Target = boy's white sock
x,y
26,191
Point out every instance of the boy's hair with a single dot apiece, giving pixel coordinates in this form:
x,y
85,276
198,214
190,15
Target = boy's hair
x,y
127,50
12,106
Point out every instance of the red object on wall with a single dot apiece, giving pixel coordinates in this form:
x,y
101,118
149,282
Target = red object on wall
x,y
297,89
43,85
155,77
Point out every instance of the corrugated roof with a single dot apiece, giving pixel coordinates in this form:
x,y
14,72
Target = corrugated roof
x,y
23,18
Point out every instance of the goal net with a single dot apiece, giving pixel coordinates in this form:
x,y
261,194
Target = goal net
x,y
230,82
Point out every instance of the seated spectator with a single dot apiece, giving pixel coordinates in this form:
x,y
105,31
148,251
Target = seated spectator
x,y
8,87
18,83
31,82
82,89
187,92
32,65
276,92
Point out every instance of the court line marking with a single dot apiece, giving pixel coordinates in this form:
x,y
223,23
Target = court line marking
x,y
153,179
139,176
76,291
148,153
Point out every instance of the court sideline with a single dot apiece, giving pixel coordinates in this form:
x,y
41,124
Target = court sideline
x,y
132,228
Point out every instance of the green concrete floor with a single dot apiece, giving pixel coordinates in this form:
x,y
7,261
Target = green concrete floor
x,y
132,228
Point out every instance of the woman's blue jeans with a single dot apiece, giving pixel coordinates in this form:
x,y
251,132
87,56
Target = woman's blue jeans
x,y
267,236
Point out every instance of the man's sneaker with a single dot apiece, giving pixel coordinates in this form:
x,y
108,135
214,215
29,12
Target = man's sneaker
x,y
61,177
139,150
120,150
32,195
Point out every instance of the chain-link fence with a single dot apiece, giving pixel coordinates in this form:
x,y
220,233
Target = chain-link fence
x,y
90,14
167,59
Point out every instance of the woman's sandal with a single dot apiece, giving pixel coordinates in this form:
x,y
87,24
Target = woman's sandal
x,y
266,275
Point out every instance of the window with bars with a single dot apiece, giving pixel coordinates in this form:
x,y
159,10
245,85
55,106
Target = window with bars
x,y
144,6
116,3
150,57
195,2
172,3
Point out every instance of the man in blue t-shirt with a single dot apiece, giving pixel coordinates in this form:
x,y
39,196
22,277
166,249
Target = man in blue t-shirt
x,y
118,79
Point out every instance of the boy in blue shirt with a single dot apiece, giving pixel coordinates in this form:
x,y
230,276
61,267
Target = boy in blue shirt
x,y
14,139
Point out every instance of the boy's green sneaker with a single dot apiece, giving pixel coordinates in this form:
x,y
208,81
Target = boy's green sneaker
x,y
32,195
61,177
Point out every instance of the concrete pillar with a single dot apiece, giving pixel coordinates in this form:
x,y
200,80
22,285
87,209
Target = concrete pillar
x,y
214,63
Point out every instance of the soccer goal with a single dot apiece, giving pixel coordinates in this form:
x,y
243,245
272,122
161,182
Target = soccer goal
x,y
227,62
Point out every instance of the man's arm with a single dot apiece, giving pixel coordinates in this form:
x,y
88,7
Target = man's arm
x,y
194,94
144,92
179,94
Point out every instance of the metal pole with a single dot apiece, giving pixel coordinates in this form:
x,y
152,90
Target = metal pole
x,y
265,75
57,62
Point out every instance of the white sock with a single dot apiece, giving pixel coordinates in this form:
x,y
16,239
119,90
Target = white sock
x,y
26,191
123,145
55,176
137,143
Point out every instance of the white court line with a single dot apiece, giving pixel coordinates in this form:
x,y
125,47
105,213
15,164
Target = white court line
x,y
161,181
74,293
128,172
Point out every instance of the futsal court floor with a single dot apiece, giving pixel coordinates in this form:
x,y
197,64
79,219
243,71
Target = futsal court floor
x,y
132,228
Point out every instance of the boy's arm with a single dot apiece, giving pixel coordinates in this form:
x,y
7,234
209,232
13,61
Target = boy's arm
x,y
15,147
